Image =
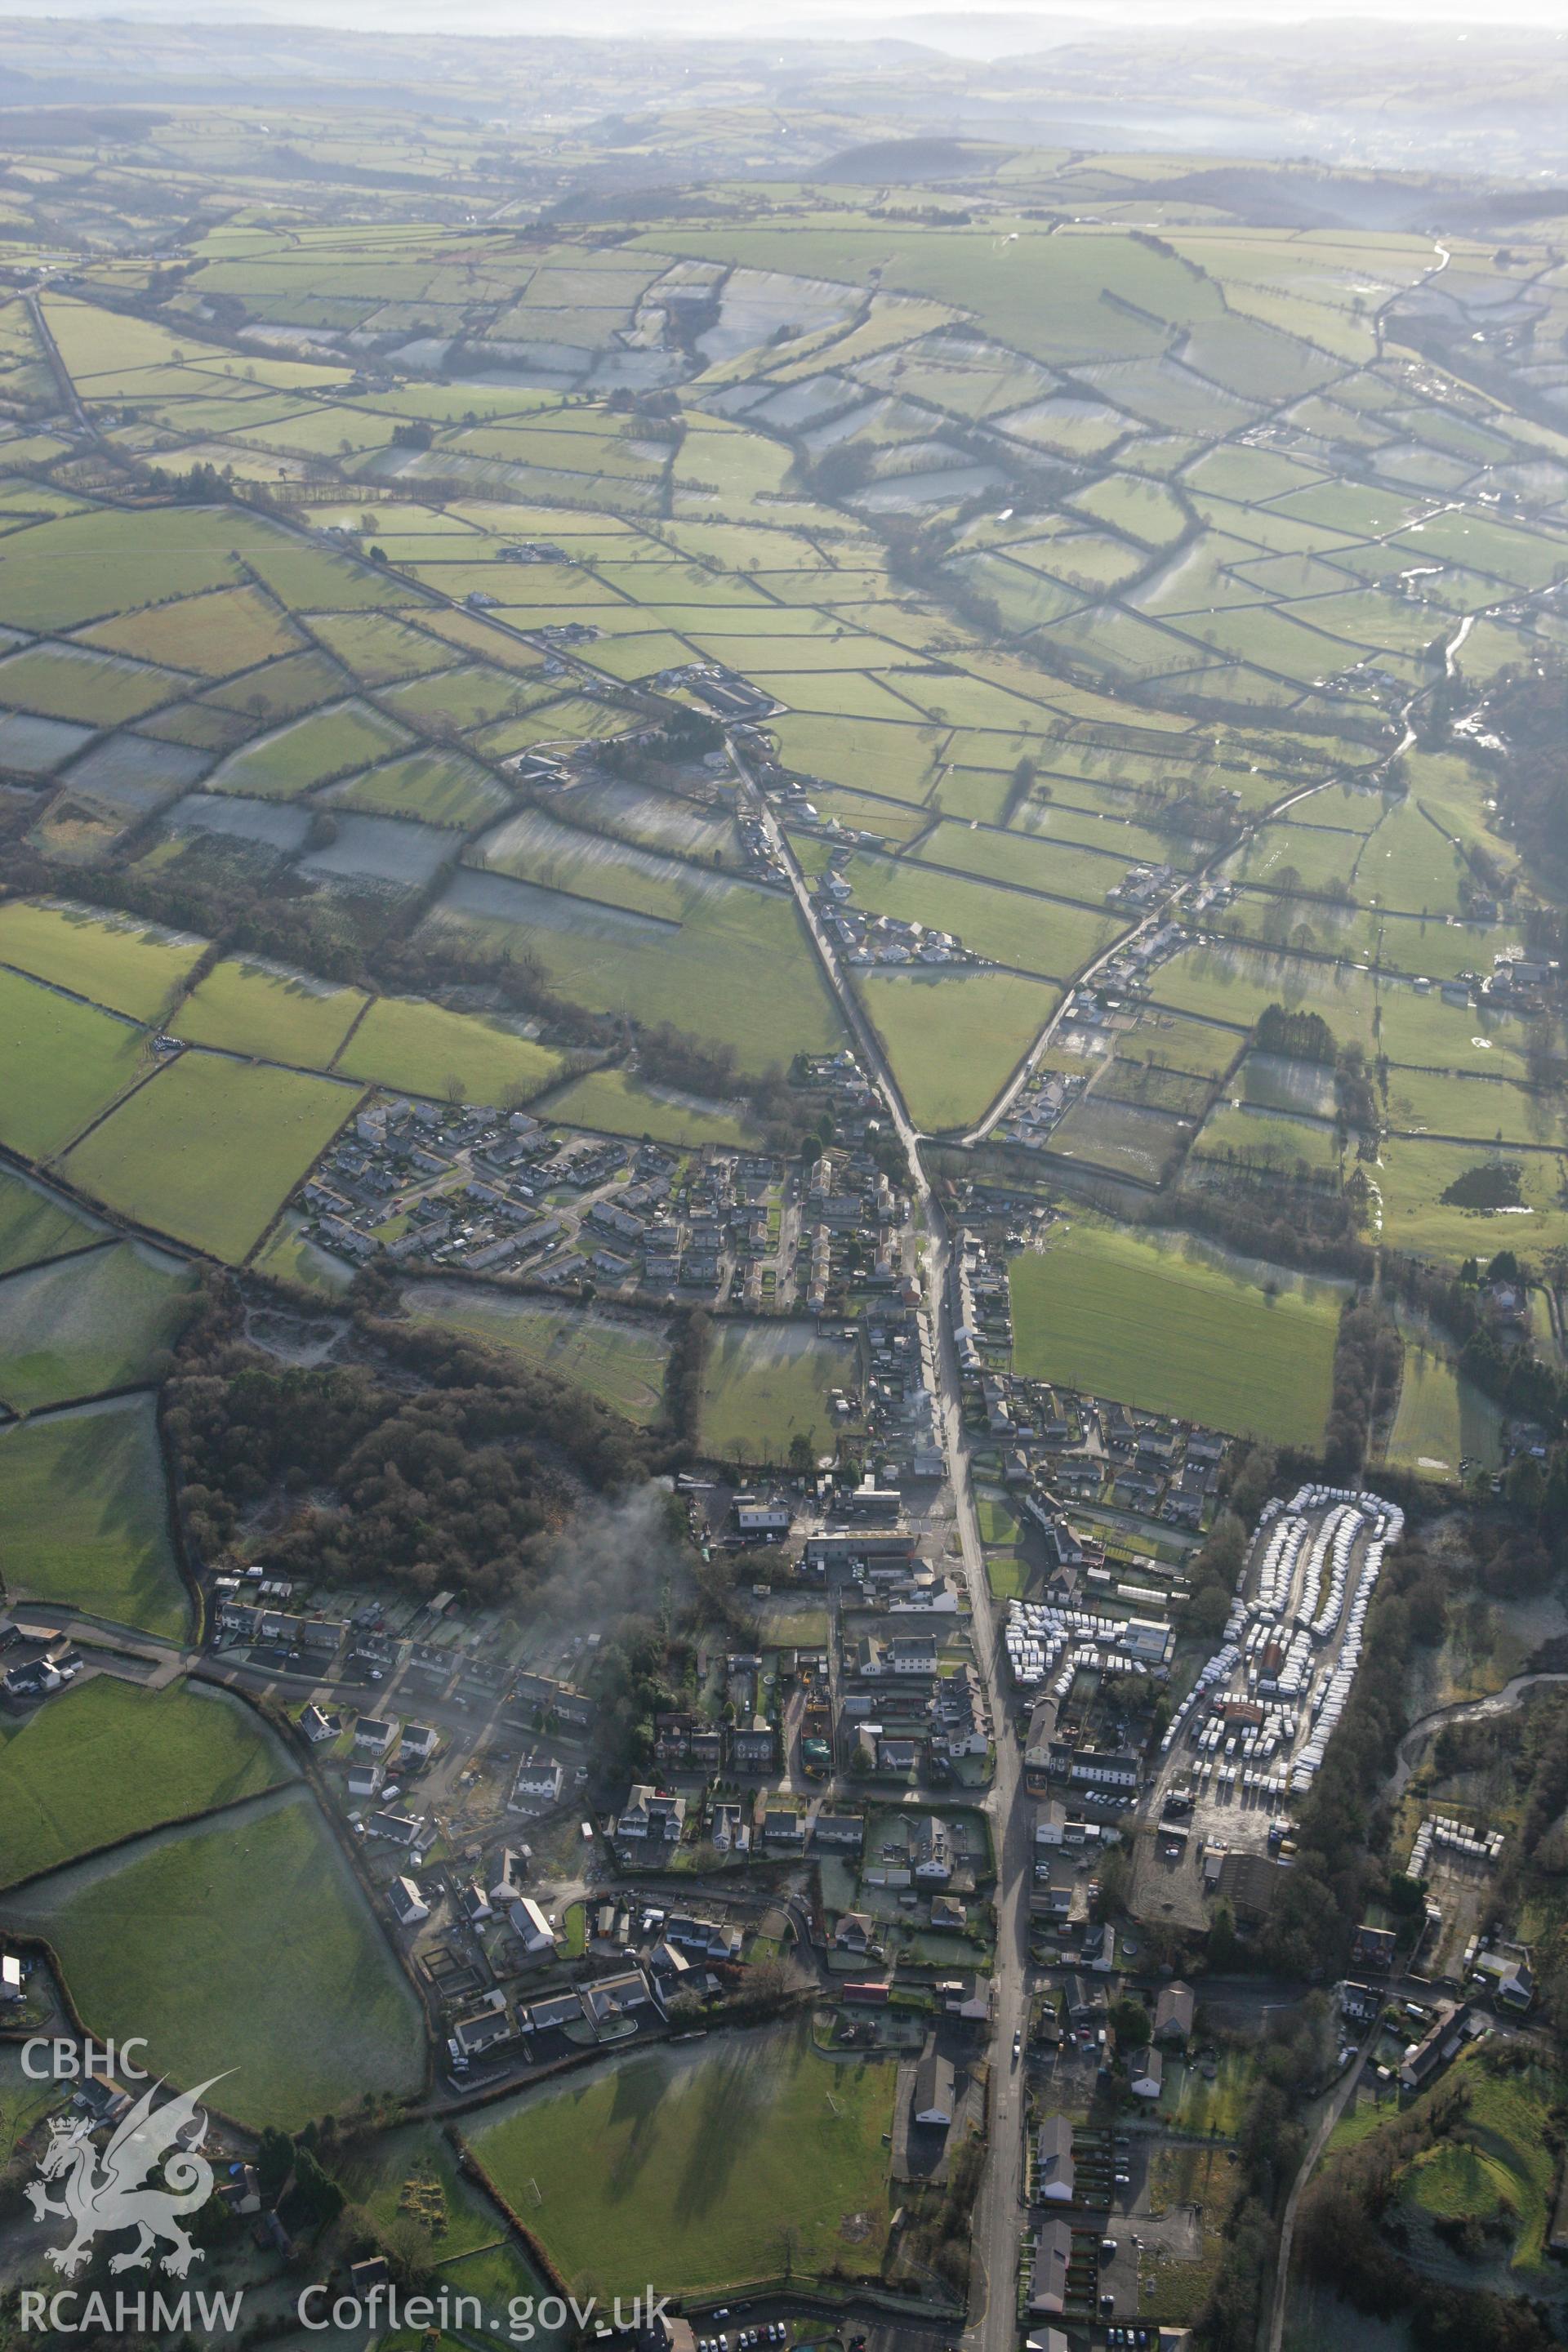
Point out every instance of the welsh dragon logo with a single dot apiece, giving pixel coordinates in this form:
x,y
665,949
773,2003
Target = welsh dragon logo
x,y
118,2189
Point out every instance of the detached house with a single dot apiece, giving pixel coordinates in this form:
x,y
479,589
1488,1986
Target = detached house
x,y
651,1817
931,1851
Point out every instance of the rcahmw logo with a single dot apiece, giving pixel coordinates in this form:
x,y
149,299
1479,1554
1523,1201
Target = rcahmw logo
x,y
148,2176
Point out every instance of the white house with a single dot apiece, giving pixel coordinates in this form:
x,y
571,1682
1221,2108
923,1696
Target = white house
x,y
407,1909
1146,2073
531,1928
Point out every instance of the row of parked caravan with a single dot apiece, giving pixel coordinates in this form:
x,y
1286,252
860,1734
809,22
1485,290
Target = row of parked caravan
x,y
1386,1522
1440,1829
1037,1632
1086,1659
1318,1610
1276,1572
1276,1661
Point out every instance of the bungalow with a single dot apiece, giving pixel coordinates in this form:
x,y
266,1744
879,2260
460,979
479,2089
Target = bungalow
x,y
531,1928
934,2103
1054,2171
897,1756
1145,2073
1048,2271
407,1909
846,1832
782,1828
947,1911
855,1932
1173,2013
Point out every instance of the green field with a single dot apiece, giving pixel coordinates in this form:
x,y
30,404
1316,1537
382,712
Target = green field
x,y
683,2165
35,1226
311,751
61,1064
615,1103
106,1760
1175,1327
621,1362
1495,2160
1442,1419
243,1949
736,971
1413,1175
763,1383
84,1516
448,1056
277,1016
98,1320
954,1039
130,967
209,1149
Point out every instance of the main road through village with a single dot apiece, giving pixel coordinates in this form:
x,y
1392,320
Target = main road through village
x,y
999,2216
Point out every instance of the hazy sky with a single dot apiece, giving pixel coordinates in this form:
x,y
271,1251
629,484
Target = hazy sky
x,y
968,27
